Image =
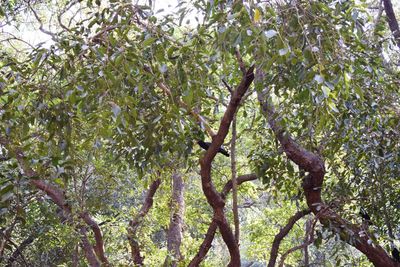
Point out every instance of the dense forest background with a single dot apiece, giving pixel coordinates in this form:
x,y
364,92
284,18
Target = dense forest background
x,y
104,106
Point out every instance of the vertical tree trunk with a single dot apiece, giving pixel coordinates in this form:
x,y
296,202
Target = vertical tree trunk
x,y
306,240
176,221
234,181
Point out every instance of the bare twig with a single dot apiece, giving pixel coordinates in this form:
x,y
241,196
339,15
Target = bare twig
x,y
53,36
227,86
240,61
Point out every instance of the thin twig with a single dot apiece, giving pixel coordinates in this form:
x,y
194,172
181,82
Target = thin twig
x,y
240,61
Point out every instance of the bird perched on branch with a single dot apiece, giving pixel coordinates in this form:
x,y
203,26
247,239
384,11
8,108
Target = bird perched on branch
x,y
363,213
206,145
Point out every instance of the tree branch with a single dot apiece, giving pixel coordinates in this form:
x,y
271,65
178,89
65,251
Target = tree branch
x,y
392,21
174,238
98,237
309,241
206,244
234,181
282,233
240,61
53,36
57,196
312,185
87,247
213,198
135,222
18,251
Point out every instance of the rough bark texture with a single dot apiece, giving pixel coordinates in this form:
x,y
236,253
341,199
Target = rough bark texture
x,y
282,233
213,198
135,223
206,244
312,185
176,221
392,21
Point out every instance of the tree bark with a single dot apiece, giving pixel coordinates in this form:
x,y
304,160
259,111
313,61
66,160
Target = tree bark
x,y
176,222
282,233
213,198
392,21
306,241
206,244
99,244
353,234
234,181
135,223
87,247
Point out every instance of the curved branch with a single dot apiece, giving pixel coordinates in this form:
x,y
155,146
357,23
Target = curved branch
x,y
98,237
392,21
282,233
57,196
206,244
87,247
352,234
53,36
213,197
309,241
135,222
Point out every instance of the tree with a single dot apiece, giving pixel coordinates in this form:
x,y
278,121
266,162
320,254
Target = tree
x,y
98,118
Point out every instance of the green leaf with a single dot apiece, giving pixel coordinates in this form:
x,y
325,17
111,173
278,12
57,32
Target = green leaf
x,y
148,41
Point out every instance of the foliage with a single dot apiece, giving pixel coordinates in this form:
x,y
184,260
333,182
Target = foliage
x,y
110,103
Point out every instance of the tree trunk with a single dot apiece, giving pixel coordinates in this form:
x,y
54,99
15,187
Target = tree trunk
x,y
234,181
213,197
135,223
312,185
176,222
392,21
206,244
